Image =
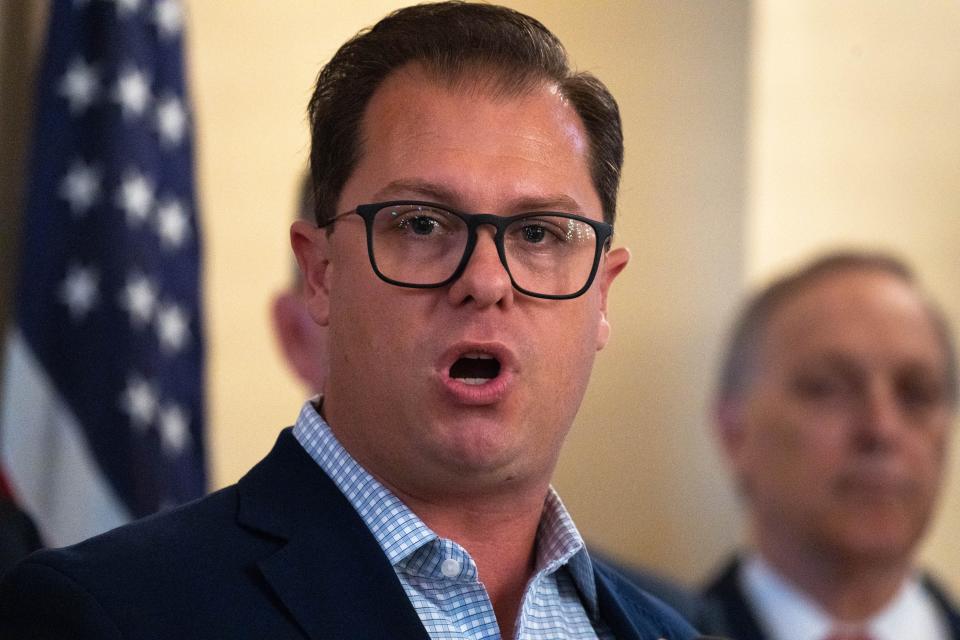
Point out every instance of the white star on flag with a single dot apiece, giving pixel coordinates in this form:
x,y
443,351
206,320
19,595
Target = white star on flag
x,y
79,85
132,91
174,432
139,298
80,187
139,401
135,196
172,224
127,7
168,14
79,290
171,120
172,327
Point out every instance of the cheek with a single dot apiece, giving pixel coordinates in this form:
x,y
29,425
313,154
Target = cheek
x,y
586,323
927,455
577,335
366,333
784,448
356,322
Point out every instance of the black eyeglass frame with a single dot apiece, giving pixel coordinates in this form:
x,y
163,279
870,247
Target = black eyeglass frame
x,y
602,230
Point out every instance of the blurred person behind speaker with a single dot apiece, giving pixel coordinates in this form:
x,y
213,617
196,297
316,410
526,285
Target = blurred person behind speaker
x,y
18,534
834,410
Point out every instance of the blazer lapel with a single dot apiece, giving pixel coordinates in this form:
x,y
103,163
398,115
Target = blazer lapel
x,y
612,611
727,599
329,572
633,615
947,606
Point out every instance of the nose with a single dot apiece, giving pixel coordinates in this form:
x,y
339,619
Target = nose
x,y
484,281
881,417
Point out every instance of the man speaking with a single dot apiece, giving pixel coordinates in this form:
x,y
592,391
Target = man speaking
x,y
466,183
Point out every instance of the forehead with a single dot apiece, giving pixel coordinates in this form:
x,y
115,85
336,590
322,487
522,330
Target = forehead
x,y
868,315
474,140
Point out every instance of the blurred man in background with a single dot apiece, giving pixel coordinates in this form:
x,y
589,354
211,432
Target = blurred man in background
x,y
302,341
18,534
834,411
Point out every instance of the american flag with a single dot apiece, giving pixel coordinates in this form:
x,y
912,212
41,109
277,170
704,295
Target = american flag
x,y
102,407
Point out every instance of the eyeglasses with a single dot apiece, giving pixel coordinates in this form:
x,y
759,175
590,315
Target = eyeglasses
x,y
423,245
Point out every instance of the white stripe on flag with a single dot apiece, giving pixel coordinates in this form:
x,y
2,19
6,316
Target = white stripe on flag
x,y
51,471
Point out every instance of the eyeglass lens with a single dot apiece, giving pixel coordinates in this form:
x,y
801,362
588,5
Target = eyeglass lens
x,y
545,253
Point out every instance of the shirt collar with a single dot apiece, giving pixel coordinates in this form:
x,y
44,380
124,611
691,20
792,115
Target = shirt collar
x,y
559,543
408,542
783,610
786,612
911,614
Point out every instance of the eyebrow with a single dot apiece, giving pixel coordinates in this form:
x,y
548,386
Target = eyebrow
x,y
840,362
442,195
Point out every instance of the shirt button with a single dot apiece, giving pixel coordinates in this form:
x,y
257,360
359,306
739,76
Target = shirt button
x,y
450,568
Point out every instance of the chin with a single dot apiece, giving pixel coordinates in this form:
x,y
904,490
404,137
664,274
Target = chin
x,y
878,540
490,461
479,454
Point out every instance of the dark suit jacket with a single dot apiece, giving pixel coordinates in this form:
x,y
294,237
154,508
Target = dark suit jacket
x,y
18,535
688,604
281,554
735,617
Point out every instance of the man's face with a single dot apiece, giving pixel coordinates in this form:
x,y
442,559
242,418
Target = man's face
x,y
391,397
839,443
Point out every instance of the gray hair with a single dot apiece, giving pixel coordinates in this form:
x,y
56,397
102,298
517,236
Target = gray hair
x,y
740,362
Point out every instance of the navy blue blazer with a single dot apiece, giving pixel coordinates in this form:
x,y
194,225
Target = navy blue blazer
x,y
734,616
18,534
281,554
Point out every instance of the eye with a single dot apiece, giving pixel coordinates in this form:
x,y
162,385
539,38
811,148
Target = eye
x,y
416,221
917,392
419,225
543,230
533,233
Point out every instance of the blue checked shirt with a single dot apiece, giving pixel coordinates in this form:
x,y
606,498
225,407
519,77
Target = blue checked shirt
x,y
440,577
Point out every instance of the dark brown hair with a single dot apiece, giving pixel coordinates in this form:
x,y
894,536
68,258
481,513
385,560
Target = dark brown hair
x,y
740,362
456,42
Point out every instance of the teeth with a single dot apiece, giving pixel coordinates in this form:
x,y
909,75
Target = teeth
x,y
475,368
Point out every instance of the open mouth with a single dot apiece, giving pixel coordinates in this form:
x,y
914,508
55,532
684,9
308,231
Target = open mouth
x,y
475,368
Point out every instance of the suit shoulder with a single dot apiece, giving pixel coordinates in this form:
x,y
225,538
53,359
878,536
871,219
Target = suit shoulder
x,y
38,600
644,610
684,601
165,546
179,529
194,559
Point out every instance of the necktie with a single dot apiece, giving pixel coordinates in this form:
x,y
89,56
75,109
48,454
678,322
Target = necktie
x,y
858,635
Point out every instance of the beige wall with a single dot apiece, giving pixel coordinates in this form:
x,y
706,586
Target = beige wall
x,y
855,140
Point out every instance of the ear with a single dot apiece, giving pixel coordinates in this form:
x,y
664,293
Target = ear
x,y
302,340
729,422
612,264
312,248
